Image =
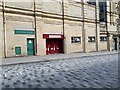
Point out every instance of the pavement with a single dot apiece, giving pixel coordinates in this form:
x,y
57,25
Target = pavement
x,y
91,70
32,59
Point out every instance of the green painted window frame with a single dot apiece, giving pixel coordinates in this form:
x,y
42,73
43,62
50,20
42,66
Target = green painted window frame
x,y
28,32
18,53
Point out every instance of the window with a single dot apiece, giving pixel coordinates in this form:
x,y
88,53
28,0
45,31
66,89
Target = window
x,y
17,50
75,39
102,11
91,39
92,2
103,38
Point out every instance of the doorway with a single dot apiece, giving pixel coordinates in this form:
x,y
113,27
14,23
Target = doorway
x,y
30,47
54,46
115,43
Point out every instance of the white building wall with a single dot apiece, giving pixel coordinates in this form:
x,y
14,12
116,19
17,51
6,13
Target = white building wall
x,y
52,25
75,10
19,4
52,6
102,44
41,46
90,32
12,39
73,30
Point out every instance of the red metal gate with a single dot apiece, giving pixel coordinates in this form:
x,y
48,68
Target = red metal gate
x,y
54,46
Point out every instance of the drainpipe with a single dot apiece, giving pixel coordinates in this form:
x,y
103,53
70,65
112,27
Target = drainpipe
x,y
83,29
118,11
4,27
35,29
96,27
63,24
108,45
110,13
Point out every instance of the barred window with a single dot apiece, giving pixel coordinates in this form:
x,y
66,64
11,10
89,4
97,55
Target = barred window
x,y
75,39
91,39
103,38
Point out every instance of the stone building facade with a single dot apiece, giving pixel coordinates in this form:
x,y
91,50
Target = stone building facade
x,y
52,27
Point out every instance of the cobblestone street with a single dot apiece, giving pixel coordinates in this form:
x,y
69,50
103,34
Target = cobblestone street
x,y
86,72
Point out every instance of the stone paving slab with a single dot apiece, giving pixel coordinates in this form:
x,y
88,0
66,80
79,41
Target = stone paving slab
x,y
32,59
88,72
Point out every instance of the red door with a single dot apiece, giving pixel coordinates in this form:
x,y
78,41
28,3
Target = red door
x,y
58,47
53,46
47,48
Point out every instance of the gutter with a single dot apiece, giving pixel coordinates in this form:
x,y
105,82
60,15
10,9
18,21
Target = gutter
x,y
4,27
63,26
96,28
35,29
83,29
